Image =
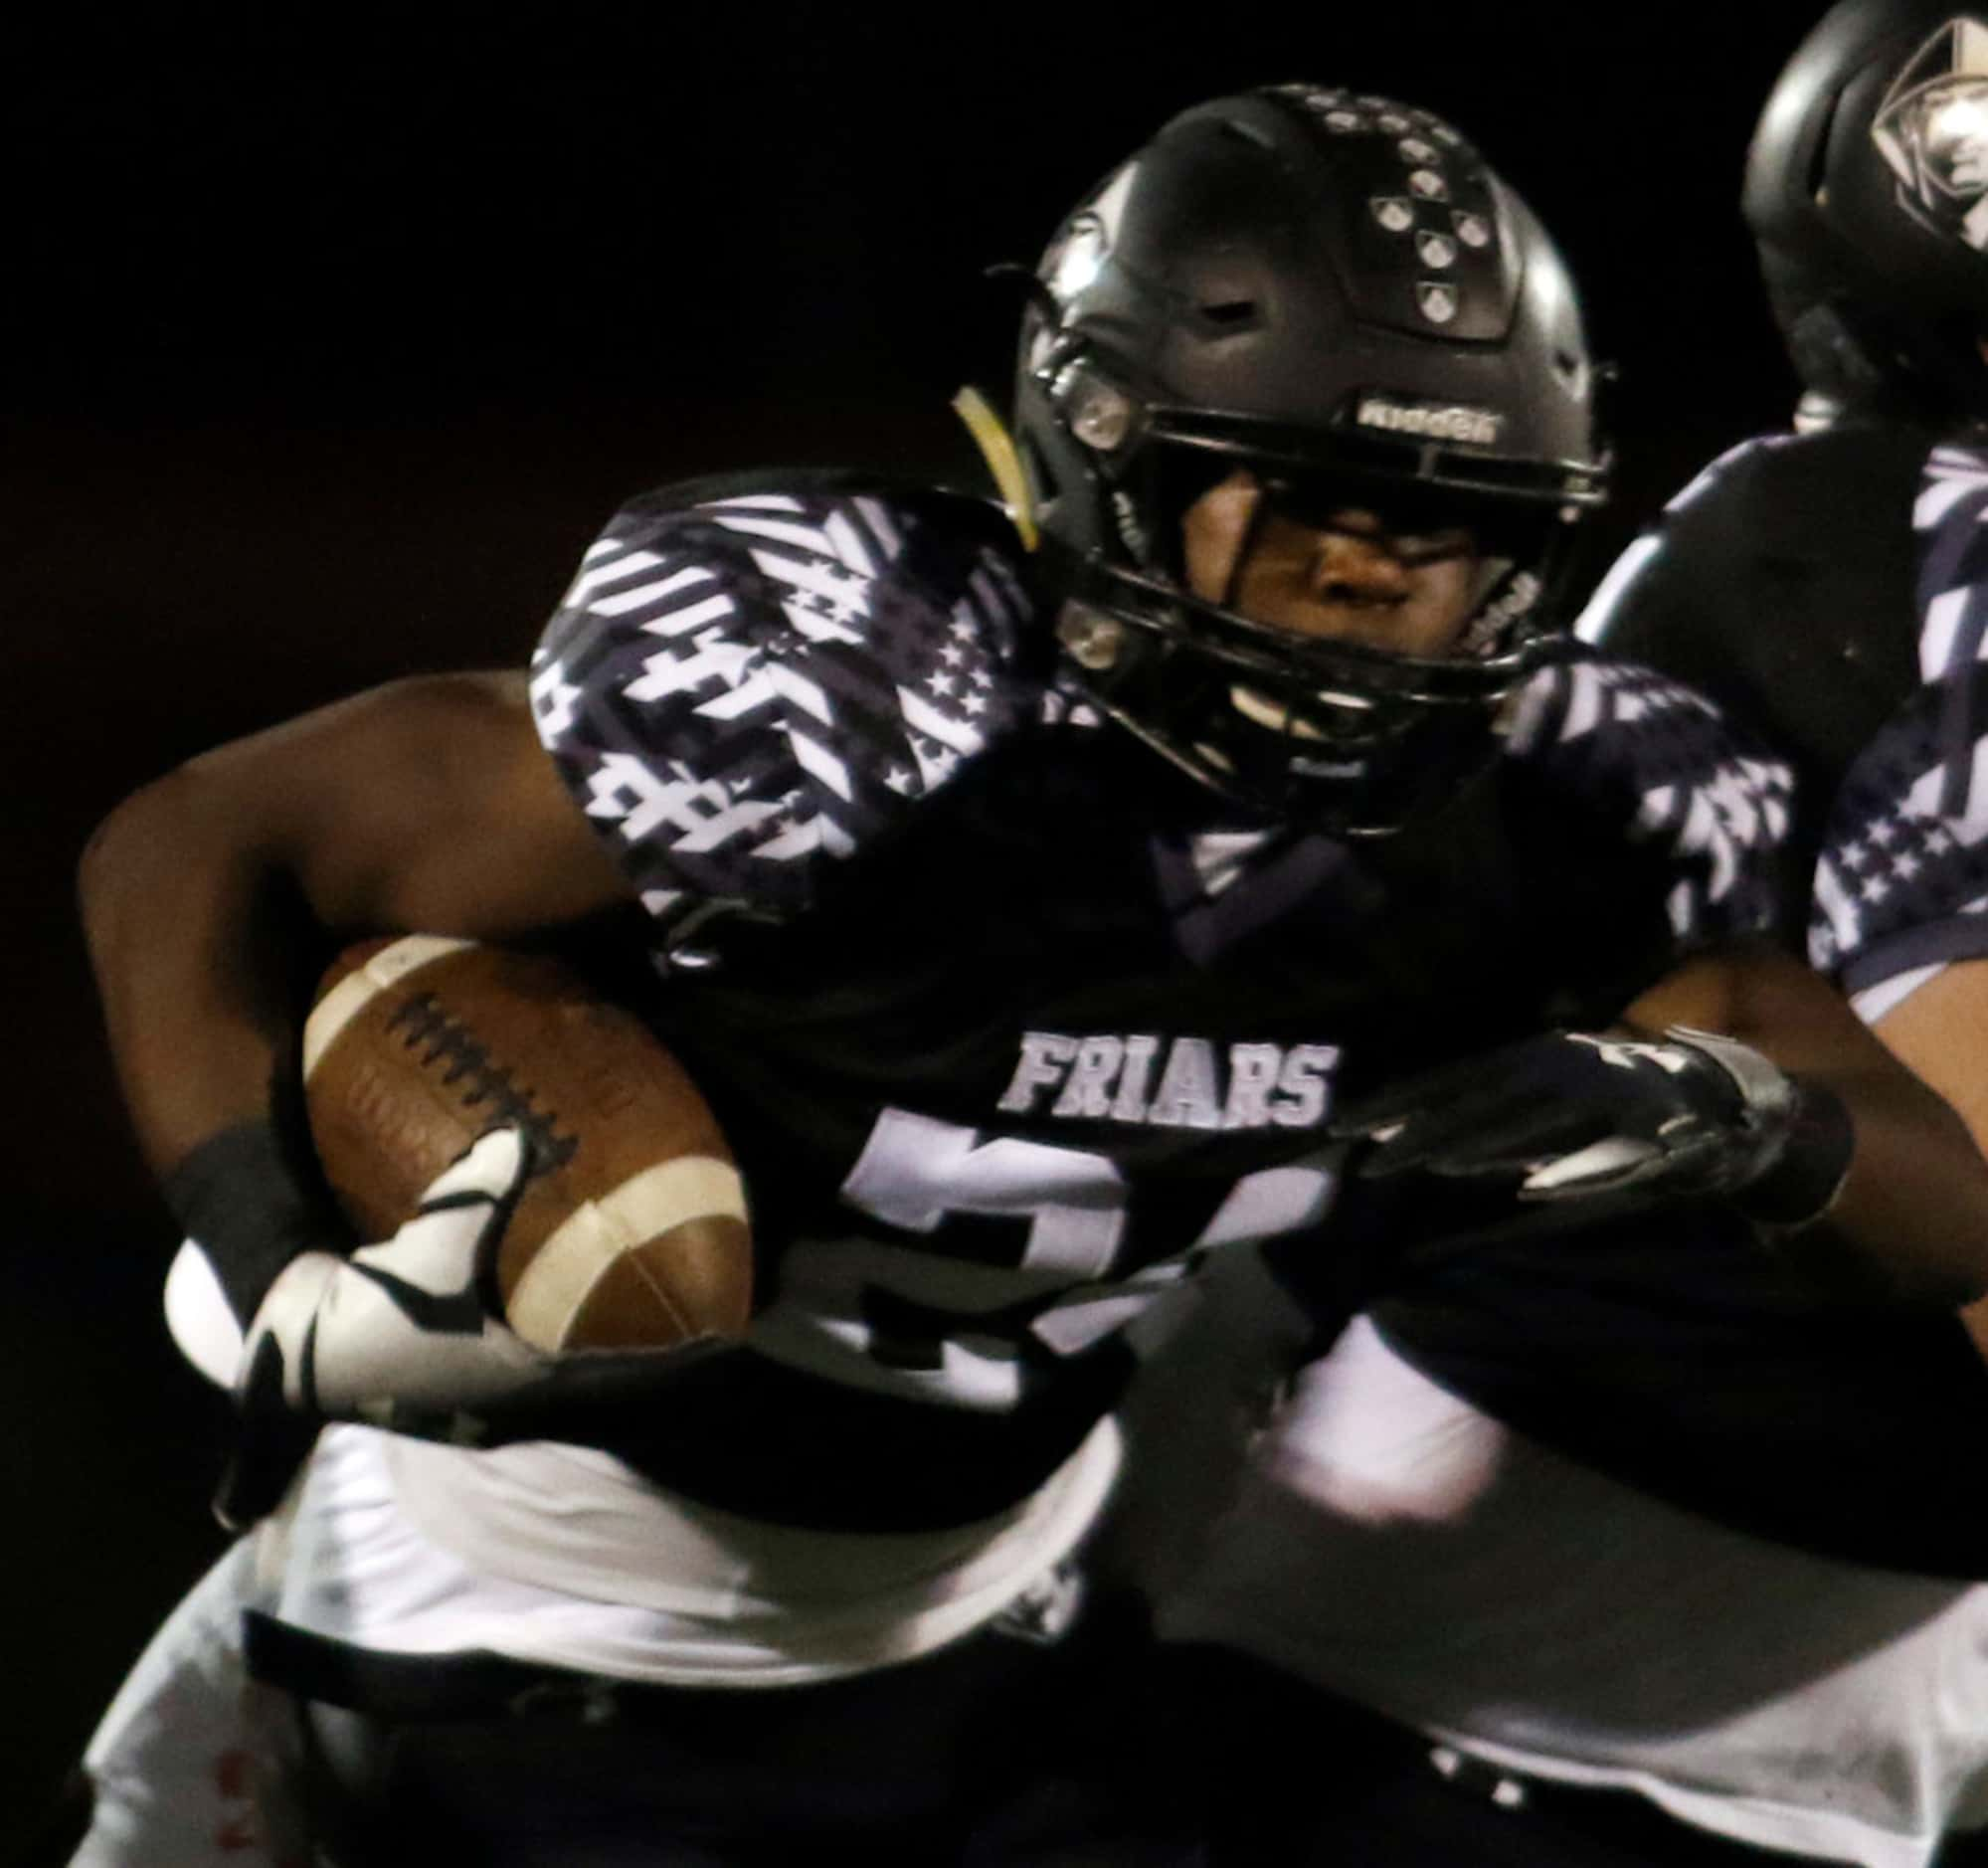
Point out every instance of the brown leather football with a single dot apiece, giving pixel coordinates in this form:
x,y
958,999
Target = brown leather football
x,y
631,1231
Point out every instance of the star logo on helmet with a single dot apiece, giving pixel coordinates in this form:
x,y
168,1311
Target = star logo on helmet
x,y
1439,303
1933,131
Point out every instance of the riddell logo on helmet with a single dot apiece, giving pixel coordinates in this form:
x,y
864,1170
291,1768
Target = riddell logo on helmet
x,y
1477,428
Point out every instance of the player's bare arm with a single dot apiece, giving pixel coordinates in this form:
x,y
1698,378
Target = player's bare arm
x,y
427,803
1913,1202
209,900
1940,1032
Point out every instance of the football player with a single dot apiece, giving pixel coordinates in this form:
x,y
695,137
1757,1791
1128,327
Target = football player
x,y
1687,1642
1042,926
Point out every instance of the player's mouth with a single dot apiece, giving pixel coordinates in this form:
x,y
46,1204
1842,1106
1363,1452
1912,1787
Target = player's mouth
x,y
1361,597
1279,718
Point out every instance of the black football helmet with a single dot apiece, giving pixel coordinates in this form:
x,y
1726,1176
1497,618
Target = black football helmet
x,y
1866,189
1335,292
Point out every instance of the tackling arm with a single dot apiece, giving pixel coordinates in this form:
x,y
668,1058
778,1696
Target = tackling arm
x,y
1914,1204
1940,1032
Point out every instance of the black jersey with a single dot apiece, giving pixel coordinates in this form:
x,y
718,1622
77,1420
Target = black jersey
x,y
1010,1024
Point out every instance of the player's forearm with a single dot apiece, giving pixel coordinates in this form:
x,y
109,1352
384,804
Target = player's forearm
x,y
196,935
1914,1205
1911,1208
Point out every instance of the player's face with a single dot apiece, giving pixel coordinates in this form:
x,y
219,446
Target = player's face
x,y
1342,573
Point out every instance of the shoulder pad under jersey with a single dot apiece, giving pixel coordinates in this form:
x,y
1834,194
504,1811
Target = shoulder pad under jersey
x,y
750,679
1779,582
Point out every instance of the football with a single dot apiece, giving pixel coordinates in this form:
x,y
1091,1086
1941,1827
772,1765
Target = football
x,y
632,1230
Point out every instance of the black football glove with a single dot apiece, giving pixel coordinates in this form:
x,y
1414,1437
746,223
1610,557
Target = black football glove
x,y
1572,1114
406,1335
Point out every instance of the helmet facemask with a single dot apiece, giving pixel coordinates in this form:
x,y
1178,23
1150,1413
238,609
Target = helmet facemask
x,y
1235,299
1349,736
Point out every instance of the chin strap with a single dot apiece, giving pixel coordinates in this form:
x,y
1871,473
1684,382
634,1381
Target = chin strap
x,y
1003,460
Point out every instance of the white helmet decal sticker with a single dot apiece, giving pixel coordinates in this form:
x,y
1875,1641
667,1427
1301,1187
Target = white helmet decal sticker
x,y
1438,251
1933,131
1439,303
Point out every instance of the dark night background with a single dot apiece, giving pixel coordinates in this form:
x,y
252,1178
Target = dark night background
x,y
333,343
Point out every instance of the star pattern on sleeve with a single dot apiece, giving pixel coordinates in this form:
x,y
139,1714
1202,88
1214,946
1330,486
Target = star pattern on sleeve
x,y
1903,873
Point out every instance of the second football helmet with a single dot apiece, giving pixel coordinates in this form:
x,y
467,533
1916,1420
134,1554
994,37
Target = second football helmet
x,y
1335,292
1867,190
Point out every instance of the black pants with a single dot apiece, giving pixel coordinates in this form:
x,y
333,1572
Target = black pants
x,y
1292,1777
996,1752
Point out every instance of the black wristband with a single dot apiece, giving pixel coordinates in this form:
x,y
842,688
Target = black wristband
x,y
251,1212
1804,1174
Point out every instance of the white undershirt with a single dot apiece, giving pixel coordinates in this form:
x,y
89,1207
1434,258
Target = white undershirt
x,y
563,1556
1398,1547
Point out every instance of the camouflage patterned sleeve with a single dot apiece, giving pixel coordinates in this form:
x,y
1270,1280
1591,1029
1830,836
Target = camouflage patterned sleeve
x,y
1662,764
1902,883
743,688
